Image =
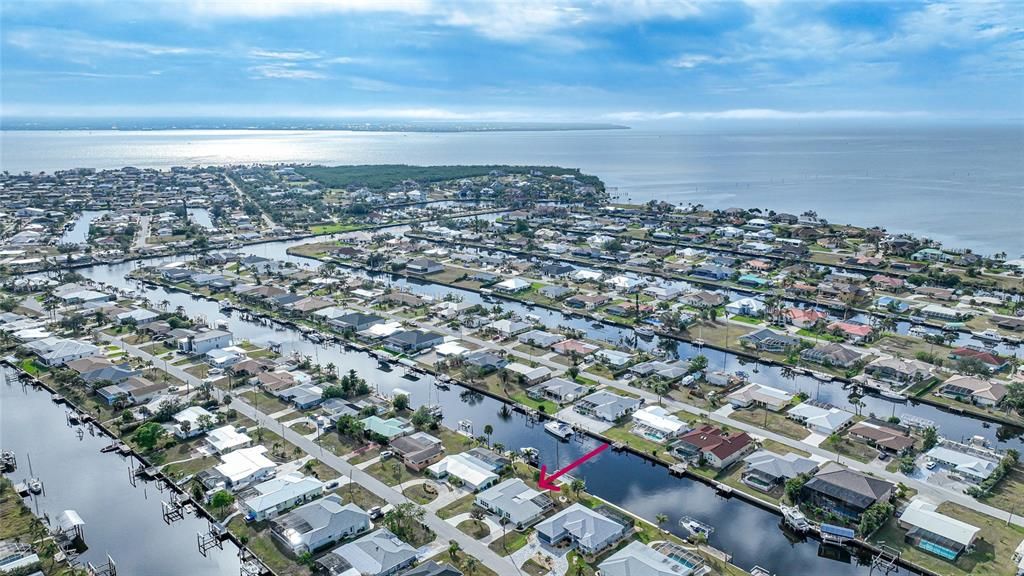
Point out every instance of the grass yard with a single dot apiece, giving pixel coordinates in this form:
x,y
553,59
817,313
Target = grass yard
x,y
263,402
359,495
780,448
420,494
508,543
474,528
391,472
461,506
263,545
991,556
857,450
546,406
771,421
621,433
304,428
337,444
1009,493
179,470
470,566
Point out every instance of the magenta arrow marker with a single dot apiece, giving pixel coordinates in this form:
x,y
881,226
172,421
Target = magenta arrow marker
x,y
546,482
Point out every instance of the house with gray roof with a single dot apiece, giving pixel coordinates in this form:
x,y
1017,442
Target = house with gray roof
x,y
586,529
319,524
607,406
514,501
660,559
559,390
843,491
379,553
766,470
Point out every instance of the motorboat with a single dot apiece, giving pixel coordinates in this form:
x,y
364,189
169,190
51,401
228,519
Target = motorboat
x,y
644,331
694,526
559,429
35,485
918,331
989,335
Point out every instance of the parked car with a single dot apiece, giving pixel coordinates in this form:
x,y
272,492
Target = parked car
x,y
375,512
930,465
386,454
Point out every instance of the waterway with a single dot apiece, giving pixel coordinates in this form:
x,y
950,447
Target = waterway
x,y
79,232
202,217
120,520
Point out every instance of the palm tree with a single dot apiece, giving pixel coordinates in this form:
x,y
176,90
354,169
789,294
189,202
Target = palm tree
x,y
661,519
453,549
488,430
576,486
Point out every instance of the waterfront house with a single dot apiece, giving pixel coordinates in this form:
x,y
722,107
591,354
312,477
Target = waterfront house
x,y
803,317
54,351
515,502
356,321
507,328
391,428
244,467
587,301
423,266
746,307
983,392
587,530
972,463
657,424
765,470
472,473
318,524
226,438
883,435
820,418
412,341
202,342
379,553
574,347
899,370
713,446
607,406
558,390
852,331
703,299
512,285
989,360
767,340
270,498
936,533
188,423
944,313
662,558
843,491
760,396
528,374
831,354
540,338
417,450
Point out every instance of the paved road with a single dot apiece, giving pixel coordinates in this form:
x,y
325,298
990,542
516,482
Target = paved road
x,y
442,529
143,232
241,193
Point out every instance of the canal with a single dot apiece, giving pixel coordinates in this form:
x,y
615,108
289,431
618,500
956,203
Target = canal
x,y
121,520
79,232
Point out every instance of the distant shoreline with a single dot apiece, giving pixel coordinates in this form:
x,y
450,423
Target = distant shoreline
x,y
170,125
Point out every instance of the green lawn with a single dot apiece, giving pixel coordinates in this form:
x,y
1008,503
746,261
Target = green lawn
x,y
337,444
474,528
263,402
508,543
181,469
621,433
359,495
771,421
1009,493
265,547
460,506
391,471
420,494
746,319
546,406
991,556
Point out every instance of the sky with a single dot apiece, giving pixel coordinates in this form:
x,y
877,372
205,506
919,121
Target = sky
x,y
620,61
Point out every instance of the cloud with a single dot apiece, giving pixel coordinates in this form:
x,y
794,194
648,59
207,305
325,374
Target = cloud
x,y
760,114
284,71
288,55
79,47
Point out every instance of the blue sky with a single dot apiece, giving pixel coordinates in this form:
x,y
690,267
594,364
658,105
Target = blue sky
x,y
627,61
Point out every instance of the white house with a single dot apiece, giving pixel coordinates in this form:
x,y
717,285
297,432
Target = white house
x,y
244,467
822,419
268,499
657,424
762,396
474,474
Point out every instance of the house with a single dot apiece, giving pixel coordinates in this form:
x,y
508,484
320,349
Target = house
x,y
138,317
991,361
657,559
515,502
391,428
900,371
614,358
607,406
831,354
512,285
934,532
893,304
713,272
943,313
852,331
528,374
84,297
574,347
413,340
657,424
970,463
418,450
244,467
379,553
803,317
226,438
203,342
559,390
703,299
973,389
555,292
508,328
302,396
760,396
189,422
765,470
766,340
319,524
587,530
713,445
587,301
268,499
883,435
53,351
820,418
843,491
471,472
355,321
540,338
746,307
423,266
432,568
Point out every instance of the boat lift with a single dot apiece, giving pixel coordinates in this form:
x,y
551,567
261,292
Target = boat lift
x,y
107,569
175,509
212,538
250,565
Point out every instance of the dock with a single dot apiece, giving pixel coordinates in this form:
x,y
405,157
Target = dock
x,y
678,469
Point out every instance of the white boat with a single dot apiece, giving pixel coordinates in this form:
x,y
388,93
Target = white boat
x,y
695,526
918,331
893,395
35,486
644,331
559,429
465,428
989,335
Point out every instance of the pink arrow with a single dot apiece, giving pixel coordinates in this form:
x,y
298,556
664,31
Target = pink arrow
x,y
546,482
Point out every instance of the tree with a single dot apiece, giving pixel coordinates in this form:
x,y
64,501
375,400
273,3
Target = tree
x,y
488,430
577,485
929,438
661,519
222,499
794,485
699,363
573,371
400,402
453,549
422,418
148,435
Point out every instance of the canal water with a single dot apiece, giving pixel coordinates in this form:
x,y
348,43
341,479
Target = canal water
x,y
79,232
202,217
120,520
750,534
